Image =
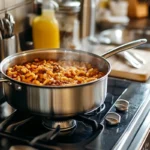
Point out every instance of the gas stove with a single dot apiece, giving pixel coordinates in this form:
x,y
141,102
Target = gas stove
x,y
88,131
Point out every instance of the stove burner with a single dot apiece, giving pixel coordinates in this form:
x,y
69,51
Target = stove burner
x,y
77,131
64,125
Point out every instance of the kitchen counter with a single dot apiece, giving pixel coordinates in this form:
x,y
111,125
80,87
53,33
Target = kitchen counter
x,y
136,28
119,66
134,23
142,24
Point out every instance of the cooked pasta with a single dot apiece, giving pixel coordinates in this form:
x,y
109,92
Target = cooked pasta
x,y
55,73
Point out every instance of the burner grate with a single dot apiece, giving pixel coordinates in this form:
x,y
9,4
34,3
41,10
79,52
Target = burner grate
x,y
30,128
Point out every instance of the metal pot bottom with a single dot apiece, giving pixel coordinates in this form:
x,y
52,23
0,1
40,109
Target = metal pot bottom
x,y
63,117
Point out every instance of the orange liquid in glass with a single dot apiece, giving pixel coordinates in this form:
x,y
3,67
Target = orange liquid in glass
x,y
46,31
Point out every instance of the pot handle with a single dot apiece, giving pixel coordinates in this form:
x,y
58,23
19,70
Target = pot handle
x,y
123,47
3,80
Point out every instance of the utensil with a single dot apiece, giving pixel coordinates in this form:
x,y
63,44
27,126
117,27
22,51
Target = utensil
x,y
11,20
137,57
2,29
1,37
122,35
133,62
59,101
123,47
7,28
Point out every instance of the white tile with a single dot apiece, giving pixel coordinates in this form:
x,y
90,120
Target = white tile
x,y
2,4
21,16
13,13
9,3
20,1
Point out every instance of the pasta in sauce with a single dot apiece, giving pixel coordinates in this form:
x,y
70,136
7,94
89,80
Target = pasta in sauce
x,y
55,73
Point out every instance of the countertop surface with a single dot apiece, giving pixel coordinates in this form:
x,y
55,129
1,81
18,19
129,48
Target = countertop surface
x,y
139,23
134,23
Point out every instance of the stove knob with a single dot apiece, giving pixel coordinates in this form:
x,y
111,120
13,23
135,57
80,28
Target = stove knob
x,y
112,118
122,105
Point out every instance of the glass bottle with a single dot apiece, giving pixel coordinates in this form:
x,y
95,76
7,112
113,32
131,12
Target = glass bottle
x,y
67,17
45,28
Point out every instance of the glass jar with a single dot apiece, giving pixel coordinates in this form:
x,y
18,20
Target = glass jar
x,y
67,17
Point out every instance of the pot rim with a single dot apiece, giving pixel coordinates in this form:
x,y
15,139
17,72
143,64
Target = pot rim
x,y
52,50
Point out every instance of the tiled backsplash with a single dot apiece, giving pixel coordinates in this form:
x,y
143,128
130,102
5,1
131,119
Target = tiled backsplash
x,y
19,9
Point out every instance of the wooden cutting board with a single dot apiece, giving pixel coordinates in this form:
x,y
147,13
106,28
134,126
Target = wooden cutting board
x,y
120,68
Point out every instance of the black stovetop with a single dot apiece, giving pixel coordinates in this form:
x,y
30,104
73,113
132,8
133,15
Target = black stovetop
x,y
83,136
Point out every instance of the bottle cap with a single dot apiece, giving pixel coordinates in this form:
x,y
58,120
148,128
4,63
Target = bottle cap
x,y
69,7
50,4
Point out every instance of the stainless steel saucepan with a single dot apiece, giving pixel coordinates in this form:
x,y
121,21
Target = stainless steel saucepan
x,y
59,101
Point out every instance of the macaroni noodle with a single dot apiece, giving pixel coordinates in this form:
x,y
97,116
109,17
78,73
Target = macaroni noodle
x,y
56,73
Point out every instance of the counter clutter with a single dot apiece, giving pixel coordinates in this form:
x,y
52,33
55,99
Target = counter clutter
x,y
120,67
8,40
